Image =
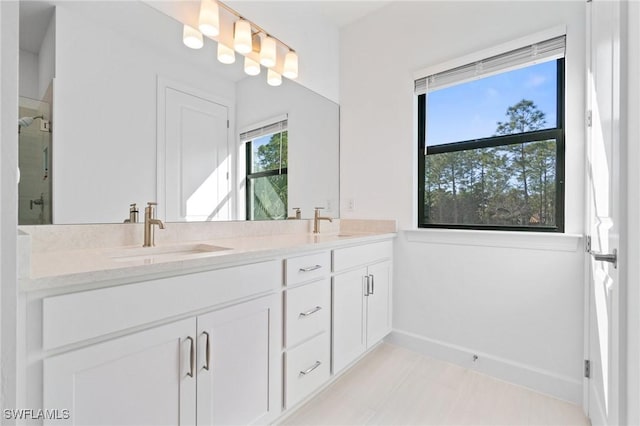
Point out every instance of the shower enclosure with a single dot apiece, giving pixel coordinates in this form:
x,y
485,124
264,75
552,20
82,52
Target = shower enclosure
x,y
34,161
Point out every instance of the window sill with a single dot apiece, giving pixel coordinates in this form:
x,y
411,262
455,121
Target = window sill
x,y
505,239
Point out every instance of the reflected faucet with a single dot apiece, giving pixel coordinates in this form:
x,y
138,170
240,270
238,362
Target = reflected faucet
x,y
133,214
317,218
297,212
149,221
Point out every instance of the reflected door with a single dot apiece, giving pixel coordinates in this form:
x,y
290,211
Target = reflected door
x,y
603,211
197,185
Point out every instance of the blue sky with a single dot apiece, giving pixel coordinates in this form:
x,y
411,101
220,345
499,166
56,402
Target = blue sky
x,y
472,110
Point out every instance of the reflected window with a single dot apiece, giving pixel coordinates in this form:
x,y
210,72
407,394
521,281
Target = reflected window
x,y
491,141
267,183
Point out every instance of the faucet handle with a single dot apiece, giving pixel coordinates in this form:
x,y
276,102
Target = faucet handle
x,y
132,206
319,208
152,203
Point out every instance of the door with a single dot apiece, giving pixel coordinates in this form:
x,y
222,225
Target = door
x,y
349,304
379,303
603,188
197,162
141,379
239,364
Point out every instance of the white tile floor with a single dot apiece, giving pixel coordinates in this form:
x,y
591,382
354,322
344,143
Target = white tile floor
x,y
395,386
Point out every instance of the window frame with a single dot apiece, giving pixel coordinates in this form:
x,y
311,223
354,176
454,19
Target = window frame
x,y
557,133
251,176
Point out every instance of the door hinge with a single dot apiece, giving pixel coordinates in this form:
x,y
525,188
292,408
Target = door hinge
x,y
589,118
587,369
227,124
587,244
227,175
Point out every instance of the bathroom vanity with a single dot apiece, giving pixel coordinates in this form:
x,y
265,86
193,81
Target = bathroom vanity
x,y
226,330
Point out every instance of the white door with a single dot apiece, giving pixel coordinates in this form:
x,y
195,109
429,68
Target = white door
x,y
239,364
349,305
603,169
141,379
197,185
379,303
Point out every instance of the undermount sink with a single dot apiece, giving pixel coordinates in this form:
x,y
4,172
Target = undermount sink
x,y
164,253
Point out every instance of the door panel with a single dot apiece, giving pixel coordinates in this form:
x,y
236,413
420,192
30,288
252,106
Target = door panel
x,y
379,303
139,379
241,384
603,81
197,158
349,335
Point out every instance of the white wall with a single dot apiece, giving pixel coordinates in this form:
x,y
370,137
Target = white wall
x,y
457,293
313,123
105,105
29,75
9,59
46,59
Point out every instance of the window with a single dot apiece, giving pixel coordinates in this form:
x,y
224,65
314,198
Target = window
x,y
266,153
491,141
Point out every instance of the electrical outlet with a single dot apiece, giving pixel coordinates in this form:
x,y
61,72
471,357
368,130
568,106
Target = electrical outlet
x,y
329,206
45,125
351,204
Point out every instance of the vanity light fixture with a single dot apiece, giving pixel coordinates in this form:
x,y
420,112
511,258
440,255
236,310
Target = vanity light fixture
x,y
251,67
291,65
209,19
192,38
242,37
268,51
226,55
273,78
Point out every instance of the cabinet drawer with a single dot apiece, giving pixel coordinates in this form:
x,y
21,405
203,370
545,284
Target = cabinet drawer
x,y
307,268
307,368
308,311
71,318
351,257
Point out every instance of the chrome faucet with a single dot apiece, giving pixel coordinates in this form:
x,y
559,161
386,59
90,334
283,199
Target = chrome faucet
x,y
297,212
149,221
133,214
317,218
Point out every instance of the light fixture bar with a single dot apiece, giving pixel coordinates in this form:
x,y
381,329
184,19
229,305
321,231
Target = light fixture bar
x,y
254,27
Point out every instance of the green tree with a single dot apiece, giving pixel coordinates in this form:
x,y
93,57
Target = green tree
x,y
270,192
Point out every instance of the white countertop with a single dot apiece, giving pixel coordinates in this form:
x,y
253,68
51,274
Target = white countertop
x,y
103,267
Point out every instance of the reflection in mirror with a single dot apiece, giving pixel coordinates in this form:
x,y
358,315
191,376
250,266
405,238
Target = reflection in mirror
x,y
139,117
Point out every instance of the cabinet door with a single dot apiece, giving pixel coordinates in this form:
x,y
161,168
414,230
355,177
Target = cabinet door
x,y
140,379
349,338
240,380
379,303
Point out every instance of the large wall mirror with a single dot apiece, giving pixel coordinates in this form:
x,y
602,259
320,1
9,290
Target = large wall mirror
x,y
115,110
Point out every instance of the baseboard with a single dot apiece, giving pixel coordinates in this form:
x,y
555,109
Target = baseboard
x,y
539,380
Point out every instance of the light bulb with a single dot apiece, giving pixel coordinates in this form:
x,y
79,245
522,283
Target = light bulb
x,y
291,65
251,67
268,51
192,38
273,78
242,37
226,55
209,21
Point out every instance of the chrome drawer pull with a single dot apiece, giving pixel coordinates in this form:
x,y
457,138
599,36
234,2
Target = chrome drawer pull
x,y
312,311
208,351
310,268
310,369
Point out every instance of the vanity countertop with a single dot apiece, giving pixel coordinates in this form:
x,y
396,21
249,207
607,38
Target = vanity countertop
x,y
103,267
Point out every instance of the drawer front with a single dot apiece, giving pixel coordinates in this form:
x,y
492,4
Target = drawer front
x,y
351,257
308,311
307,268
307,368
71,318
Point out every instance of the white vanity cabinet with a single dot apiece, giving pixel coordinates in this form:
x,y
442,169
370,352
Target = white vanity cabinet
x,y
361,300
218,367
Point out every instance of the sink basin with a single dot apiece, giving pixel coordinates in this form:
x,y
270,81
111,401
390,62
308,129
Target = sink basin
x,y
164,253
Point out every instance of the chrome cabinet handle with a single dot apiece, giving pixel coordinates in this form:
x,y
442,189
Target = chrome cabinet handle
x,y
310,369
312,311
372,283
366,284
192,357
602,257
310,268
207,351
